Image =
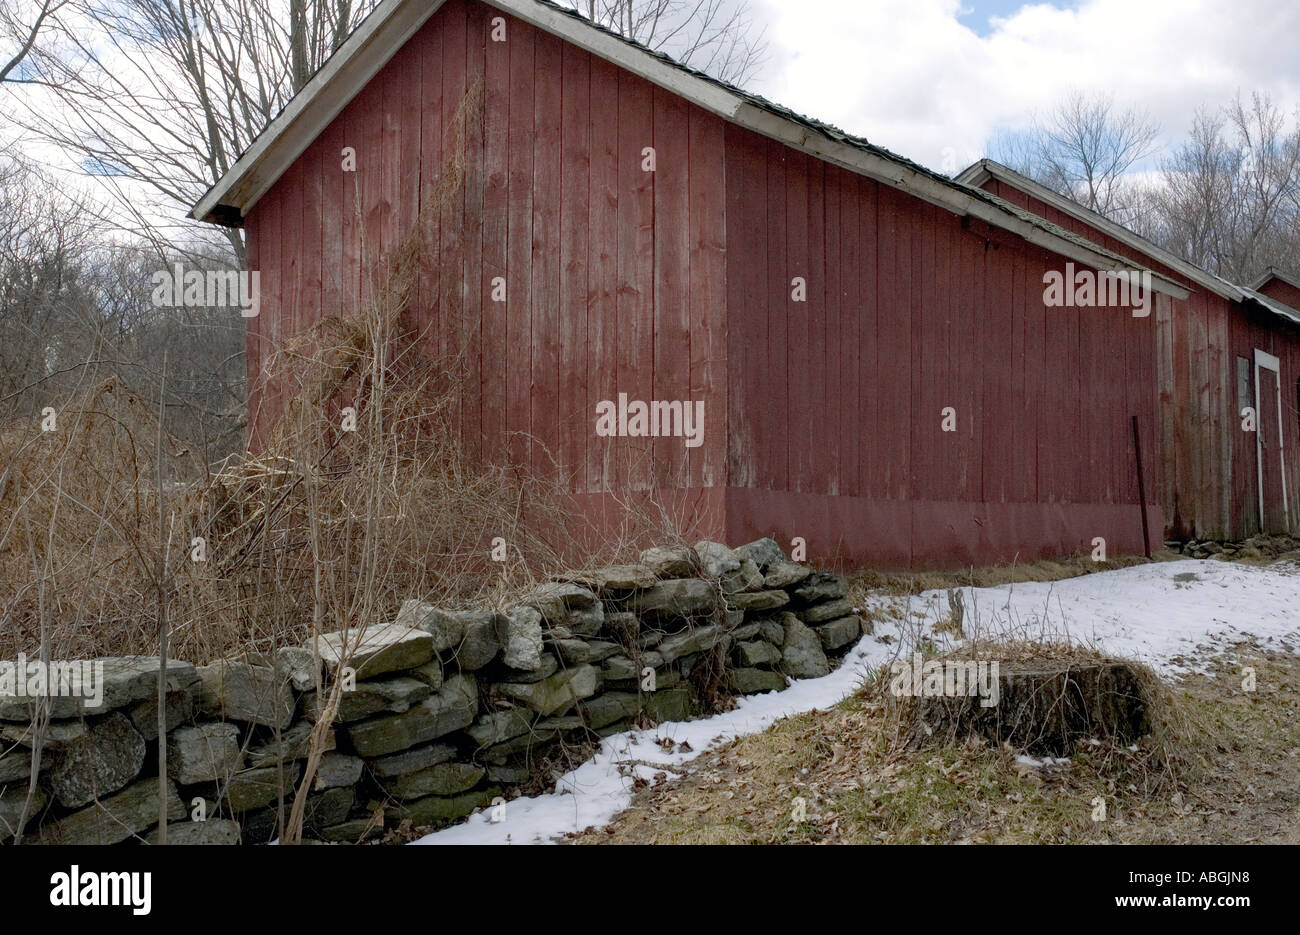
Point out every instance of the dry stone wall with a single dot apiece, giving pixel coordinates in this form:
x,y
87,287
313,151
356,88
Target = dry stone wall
x,y
444,710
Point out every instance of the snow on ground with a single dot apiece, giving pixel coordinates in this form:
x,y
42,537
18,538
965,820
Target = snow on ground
x,y
1154,613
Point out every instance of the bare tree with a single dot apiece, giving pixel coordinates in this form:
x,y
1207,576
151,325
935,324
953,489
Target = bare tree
x,y
713,36
166,94
23,32
1230,199
1084,149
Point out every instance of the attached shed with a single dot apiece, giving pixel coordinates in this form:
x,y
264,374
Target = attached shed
x,y
878,371
1221,349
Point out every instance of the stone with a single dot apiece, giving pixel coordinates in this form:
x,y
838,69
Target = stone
x,y
689,641
485,634
254,788
716,559
615,578
755,601
58,734
608,707
619,668
116,818
762,552
523,643
829,610
337,769
298,665
557,693
820,586
293,744
682,597
500,726
178,709
513,774
396,694
802,656
557,599
839,632
217,831
745,632
669,563
351,832
783,574
751,681
328,808
239,691
389,647
204,753
745,578
672,704
101,762
112,683
11,808
772,630
449,709
414,613
417,758
623,626
437,809
548,667
430,674
16,765
578,652
442,779
532,741
757,653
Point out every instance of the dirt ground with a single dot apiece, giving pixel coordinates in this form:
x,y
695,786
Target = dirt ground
x,y
834,777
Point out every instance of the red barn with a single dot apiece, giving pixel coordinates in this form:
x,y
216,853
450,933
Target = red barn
x,y
1221,349
879,372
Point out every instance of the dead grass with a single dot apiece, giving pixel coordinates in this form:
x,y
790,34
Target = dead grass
x,y
1237,776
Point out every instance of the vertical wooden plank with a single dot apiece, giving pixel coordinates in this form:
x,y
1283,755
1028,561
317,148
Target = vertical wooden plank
x,y
291,261
787,384
842,192
546,253
352,217
254,234
707,296
475,298
1034,417
970,263
451,209
895,356
876,271
334,215
672,325
496,178
636,263
576,426
797,385
823,309
748,286
602,305
370,170
519,240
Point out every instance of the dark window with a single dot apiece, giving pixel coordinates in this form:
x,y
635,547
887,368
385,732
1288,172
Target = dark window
x,y
1244,396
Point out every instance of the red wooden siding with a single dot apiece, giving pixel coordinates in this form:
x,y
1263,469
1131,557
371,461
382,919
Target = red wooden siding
x,y
1207,464
822,417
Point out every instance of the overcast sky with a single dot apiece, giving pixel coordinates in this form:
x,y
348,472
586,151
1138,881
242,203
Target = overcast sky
x,y
919,76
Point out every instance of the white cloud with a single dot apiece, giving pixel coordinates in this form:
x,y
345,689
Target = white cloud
x,y
908,75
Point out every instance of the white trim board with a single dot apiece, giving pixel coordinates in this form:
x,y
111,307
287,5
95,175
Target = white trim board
x,y
1267,361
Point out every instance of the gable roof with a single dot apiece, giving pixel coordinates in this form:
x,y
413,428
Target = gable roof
x,y
1271,273
980,172
393,22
